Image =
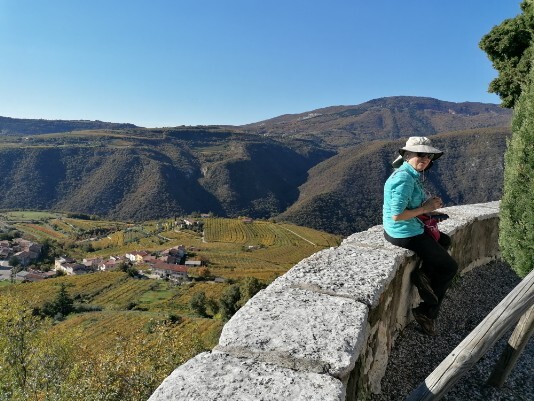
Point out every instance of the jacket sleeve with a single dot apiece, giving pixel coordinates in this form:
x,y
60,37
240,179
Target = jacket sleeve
x,y
402,188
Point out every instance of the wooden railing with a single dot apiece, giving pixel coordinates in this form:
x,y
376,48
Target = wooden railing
x,y
517,305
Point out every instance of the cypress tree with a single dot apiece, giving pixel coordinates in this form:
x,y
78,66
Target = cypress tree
x,y
229,301
198,303
516,234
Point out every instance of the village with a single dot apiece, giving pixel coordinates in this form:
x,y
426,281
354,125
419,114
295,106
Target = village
x,y
17,258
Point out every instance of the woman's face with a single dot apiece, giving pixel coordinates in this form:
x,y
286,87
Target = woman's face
x,y
419,161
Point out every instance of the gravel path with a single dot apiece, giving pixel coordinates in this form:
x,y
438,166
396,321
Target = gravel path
x,y
467,303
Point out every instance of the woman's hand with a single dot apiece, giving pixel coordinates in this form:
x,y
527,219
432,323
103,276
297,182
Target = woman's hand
x,y
432,204
428,206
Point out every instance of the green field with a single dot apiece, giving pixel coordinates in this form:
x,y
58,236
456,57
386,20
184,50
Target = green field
x,y
27,215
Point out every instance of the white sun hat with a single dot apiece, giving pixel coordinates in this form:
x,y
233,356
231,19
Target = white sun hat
x,y
417,144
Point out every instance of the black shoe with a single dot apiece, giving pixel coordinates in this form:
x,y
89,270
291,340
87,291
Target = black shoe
x,y
422,282
427,324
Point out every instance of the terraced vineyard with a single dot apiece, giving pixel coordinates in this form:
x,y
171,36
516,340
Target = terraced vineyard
x,y
96,326
41,232
86,287
233,249
120,297
260,249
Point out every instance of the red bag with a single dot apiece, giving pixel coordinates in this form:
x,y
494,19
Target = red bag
x,y
431,226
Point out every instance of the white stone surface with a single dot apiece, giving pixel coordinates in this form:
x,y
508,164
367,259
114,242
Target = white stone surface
x,y
477,211
359,273
461,216
373,238
298,329
214,376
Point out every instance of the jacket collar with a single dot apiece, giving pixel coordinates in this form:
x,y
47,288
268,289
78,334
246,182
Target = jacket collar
x,y
409,169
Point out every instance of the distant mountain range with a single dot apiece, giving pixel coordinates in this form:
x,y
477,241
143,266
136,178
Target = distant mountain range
x,y
323,169
385,118
17,126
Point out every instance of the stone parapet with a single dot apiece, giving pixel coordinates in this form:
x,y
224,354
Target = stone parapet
x,y
298,329
324,330
216,376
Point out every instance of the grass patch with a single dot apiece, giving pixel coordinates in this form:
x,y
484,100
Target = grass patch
x,y
28,215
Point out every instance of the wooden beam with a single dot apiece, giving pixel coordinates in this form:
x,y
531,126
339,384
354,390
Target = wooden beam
x,y
515,346
477,343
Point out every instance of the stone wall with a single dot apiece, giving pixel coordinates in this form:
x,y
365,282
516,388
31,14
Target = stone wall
x,y
324,330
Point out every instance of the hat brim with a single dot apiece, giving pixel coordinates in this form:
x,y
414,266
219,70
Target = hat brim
x,y
421,149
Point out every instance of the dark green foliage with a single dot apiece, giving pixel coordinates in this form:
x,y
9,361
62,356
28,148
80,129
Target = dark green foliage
x,y
509,48
62,305
7,233
127,267
236,295
229,302
174,319
198,303
81,216
213,306
50,249
249,286
14,261
81,308
516,236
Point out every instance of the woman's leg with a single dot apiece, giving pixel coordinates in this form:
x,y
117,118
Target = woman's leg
x,y
444,240
438,266
437,270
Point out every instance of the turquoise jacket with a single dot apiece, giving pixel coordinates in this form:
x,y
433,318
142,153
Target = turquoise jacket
x,y
402,190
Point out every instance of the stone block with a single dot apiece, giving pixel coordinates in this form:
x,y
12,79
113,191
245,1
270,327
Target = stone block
x,y
217,376
373,238
356,272
462,216
476,211
298,329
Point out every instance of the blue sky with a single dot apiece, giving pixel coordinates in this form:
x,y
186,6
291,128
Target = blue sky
x,y
158,63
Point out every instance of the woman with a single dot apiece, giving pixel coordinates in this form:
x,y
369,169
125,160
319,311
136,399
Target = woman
x,y
404,200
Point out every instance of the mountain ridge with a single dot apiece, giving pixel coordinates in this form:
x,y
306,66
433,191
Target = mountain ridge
x,y
24,126
383,118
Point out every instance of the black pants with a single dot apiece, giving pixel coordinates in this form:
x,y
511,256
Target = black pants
x,y
437,265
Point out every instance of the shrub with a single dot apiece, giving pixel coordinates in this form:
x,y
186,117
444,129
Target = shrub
x,y
516,235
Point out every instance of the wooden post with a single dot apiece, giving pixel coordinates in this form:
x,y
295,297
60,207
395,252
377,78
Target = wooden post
x,y
476,344
513,350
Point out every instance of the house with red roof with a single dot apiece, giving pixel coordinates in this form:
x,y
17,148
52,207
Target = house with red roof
x,y
169,271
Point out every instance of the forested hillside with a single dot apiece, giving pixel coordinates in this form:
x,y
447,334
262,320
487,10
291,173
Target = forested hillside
x,y
126,176
323,169
344,194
